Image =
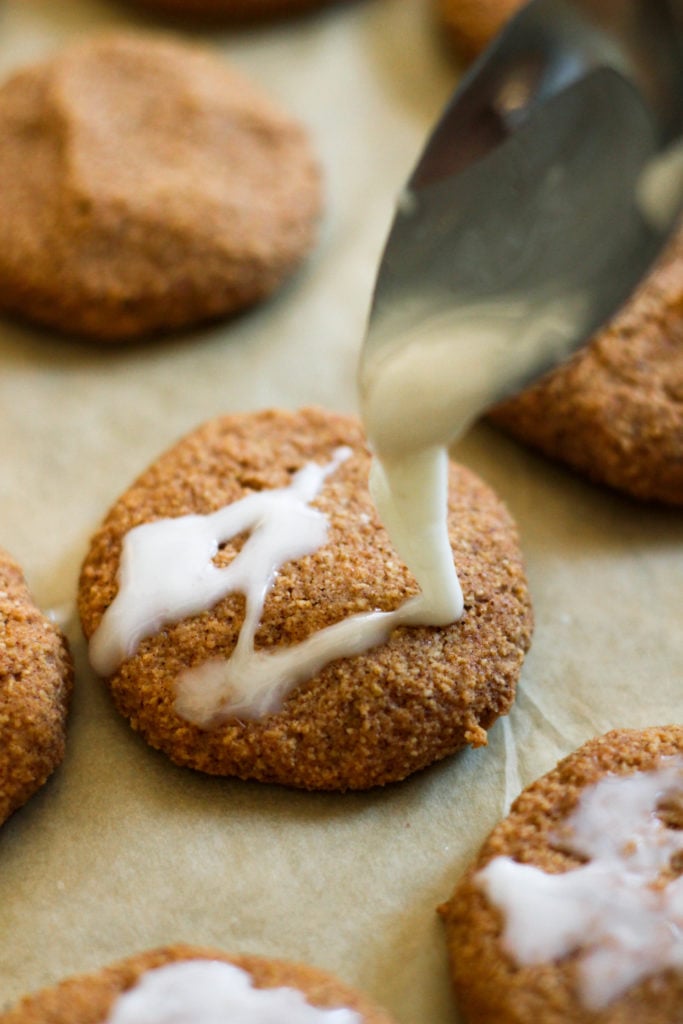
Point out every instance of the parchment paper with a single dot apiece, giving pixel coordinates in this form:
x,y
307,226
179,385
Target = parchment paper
x,y
122,851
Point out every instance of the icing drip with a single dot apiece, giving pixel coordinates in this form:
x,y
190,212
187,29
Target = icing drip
x,y
167,573
212,992
619,910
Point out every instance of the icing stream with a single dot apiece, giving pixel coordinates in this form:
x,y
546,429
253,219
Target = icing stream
x,y
623,909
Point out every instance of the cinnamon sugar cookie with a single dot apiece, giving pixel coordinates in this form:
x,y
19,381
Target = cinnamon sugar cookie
x,y
146,187
571,913
282,711
35,685
472,24
195,975
615,411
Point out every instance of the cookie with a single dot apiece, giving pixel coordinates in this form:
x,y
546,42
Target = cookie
x,y
36,678
571,913
147,187
472,24
233,10
614,412
343,721
106,995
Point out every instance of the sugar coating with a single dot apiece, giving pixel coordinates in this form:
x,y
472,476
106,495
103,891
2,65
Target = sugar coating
x,y
89,998
490,985
36,677
361,721
146,186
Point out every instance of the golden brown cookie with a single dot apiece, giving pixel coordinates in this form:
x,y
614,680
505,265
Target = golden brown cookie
x,y
35,685
233,10
615,411
146,187
490,984
360,721
89,998
472,24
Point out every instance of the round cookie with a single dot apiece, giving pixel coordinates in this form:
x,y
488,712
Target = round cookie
x,y
36,678
472,24
491,985
89,998
146,187
362,720
615,411
233,10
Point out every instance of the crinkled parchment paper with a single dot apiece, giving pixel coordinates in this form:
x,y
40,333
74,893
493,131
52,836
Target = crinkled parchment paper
x,y
121,850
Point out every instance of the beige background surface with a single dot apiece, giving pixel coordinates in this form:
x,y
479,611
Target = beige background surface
x,y
122,851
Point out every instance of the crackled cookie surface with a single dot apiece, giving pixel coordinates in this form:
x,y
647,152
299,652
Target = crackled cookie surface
x,y
571,913
146,187
615,411
311,996
35,686
354,721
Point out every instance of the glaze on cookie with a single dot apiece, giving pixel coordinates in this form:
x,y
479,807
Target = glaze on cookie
x,y
146,187
36,678
362,720
103,997
571,913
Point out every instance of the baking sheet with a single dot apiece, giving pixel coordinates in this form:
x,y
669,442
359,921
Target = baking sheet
x,y
122,851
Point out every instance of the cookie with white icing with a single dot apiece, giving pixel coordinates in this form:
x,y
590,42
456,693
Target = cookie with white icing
x,y
146,187
573,910
341,721
200,980
36,678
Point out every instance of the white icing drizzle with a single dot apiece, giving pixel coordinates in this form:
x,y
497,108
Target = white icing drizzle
x,y
615,909
410,492
429,368
213,992
167,573
419,392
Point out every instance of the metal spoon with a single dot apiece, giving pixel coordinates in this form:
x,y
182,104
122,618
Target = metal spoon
x,y
543,195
